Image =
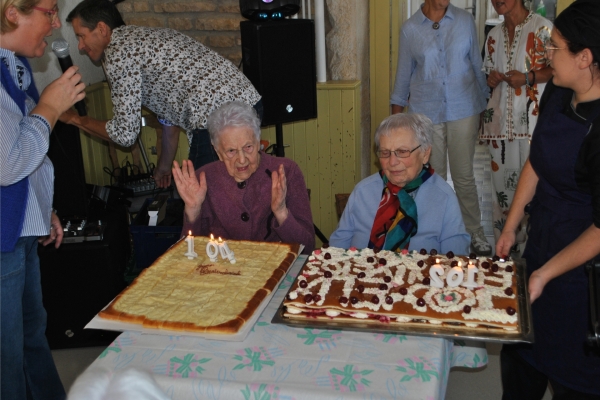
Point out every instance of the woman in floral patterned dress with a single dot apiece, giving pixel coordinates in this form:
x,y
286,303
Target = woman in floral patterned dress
x,y
517,72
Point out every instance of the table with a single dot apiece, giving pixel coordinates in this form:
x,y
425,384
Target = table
x,y
280,362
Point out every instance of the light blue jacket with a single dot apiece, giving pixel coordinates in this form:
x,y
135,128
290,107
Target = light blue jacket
x,y
440,222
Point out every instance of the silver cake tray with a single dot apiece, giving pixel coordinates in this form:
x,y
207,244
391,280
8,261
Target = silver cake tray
x,y
524,334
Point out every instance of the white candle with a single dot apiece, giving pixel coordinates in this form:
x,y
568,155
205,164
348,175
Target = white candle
x,y
226,252
434,274
212,249
191,254
471,271
455,276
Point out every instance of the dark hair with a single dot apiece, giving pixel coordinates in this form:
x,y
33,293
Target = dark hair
x,y
90,12
579,25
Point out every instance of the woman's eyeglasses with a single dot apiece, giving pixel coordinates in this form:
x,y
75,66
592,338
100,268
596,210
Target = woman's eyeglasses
x,y
50,13
397,153
550,49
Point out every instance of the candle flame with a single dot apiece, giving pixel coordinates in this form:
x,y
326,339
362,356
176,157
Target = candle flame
x,y
460,264
212,237
190,233
437,260
220,240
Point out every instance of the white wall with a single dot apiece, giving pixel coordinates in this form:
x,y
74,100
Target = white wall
x,y
46,68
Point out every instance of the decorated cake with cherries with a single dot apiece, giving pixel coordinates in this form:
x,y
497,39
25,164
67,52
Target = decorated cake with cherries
x,y
417,288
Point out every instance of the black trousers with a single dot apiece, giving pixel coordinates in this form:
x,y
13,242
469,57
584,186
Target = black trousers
x,y
521,381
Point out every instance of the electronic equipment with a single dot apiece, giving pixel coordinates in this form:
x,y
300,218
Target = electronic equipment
x,y
269,9
80,230
279,59
60,47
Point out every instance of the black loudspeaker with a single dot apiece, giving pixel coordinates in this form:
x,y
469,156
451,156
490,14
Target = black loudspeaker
x,y
70,190
279,59
269,9
79,279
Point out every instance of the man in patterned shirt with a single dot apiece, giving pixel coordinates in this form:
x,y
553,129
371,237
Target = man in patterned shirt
x,y
176,77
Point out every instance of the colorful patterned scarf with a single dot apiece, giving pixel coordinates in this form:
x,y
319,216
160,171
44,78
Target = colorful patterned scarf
x,y
396,220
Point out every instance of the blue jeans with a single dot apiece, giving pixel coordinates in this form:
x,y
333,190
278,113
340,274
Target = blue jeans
x,y
28,370
201,149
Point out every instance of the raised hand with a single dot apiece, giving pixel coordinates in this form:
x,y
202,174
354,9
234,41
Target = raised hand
x,y
278,194
191,189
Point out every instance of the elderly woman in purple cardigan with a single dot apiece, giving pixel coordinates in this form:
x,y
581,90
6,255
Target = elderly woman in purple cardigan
x,y
247,195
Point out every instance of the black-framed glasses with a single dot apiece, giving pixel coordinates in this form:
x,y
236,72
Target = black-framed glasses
x,y
397,153
50,13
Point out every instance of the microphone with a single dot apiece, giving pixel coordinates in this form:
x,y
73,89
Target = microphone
x,y
60,47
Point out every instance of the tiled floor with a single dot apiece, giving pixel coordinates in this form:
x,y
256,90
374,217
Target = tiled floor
x,y
464,383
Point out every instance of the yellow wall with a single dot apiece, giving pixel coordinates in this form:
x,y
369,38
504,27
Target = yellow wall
x,y
327,148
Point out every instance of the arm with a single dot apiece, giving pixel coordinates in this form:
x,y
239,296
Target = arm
x,y
25,139
396,109
476,61
56,232
404,72
298,225
523,195
86,123
516,79
453,237
343,234
191,189
162,172
584,248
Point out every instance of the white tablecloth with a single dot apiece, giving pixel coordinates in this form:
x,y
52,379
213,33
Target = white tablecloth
x,y
281,362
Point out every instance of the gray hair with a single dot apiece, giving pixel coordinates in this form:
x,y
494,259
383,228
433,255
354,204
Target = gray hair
x,y
236,114
418,124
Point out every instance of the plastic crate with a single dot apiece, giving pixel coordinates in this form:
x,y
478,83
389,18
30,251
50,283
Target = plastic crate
x,y
150,242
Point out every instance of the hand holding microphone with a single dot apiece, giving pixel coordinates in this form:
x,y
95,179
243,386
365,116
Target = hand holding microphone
x,y
60,47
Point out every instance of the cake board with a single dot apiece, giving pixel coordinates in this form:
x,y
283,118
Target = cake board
x,y
525,323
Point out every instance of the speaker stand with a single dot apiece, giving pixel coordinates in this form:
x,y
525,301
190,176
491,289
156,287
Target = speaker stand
x,y
279,151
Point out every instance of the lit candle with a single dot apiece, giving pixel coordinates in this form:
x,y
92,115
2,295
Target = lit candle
x,y
434,274
191,254
212,249
455,276
226,252
471,271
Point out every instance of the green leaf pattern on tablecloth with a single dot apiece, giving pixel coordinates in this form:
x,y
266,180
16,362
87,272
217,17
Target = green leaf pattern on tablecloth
x,y
390,338
254,358
115,347
417,368
260,391
314,335
349,379
186,365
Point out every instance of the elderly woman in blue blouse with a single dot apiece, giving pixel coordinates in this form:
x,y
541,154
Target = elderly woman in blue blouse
x,y
405,205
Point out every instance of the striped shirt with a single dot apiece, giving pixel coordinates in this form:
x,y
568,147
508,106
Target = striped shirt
x,y
24,142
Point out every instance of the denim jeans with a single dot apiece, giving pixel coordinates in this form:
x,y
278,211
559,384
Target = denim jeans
x,y
201,149
28,370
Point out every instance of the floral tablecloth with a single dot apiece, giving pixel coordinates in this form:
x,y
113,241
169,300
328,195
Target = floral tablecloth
x,y
280,362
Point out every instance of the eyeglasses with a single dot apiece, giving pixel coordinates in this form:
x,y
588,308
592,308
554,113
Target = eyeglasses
x,y
50,13
248,149
397,153
550,49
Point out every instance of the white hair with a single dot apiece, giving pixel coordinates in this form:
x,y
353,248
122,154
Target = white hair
x,y
99,383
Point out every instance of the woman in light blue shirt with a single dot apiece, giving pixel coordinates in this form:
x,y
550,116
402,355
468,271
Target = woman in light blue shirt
x,y
405,205
439,75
